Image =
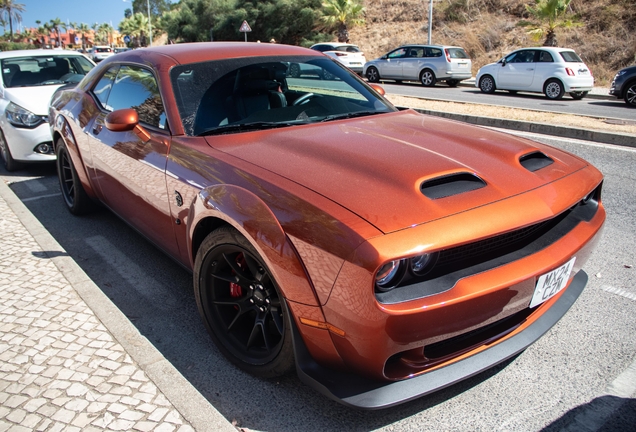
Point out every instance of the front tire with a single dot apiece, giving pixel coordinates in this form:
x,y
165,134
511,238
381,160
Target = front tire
x,y
241,306
553,89
10,164
630,95
427,78
75,197
487,84
578,95
373,75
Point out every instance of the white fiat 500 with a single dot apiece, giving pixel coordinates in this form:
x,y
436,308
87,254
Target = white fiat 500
x,y
29,79
551,71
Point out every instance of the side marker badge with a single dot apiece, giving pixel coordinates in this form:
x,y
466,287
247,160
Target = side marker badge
x,y
178,198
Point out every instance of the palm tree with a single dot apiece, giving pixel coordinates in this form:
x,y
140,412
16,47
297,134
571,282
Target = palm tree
x,y
340,14
55,25
135,26
105,30
83,29
11,11
552,15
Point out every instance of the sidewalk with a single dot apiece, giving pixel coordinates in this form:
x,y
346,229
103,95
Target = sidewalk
x,y
69,359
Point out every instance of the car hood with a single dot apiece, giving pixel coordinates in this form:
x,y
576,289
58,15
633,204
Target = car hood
x,y
375,166
35,99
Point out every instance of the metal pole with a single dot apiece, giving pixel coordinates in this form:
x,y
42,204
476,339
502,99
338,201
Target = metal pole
x,y
430,20
150,24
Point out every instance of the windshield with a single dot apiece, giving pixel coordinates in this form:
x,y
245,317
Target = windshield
x,y
44,70
236,95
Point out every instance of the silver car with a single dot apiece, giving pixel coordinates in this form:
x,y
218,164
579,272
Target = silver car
x,y
425,63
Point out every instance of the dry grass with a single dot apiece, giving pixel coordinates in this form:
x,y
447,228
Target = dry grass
x,y
575,121
488,29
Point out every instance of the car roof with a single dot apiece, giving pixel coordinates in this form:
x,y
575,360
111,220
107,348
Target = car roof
x,y
38,52
337,44
205,51
429,46
552,49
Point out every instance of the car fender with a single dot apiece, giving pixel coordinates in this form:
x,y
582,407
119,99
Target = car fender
x,y
248,214
62,129
430,66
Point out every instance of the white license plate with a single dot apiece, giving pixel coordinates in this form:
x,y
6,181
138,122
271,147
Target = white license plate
x,y
463,65
551,283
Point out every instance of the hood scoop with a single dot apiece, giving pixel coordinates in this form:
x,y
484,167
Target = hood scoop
x,y
450,185
535,161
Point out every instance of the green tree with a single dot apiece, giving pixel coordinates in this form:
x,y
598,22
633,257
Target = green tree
x,y
339,15
83,29
136,27
157,7
55,26
103,33
10,11
551,14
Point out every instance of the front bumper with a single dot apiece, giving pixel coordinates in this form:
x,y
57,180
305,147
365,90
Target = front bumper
x,y
355,391
23,141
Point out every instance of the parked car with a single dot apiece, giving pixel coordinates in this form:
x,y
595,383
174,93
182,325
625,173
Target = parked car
x,y
551,71
29,79
624,85
382,253
99,53
425,63
347,54
117,50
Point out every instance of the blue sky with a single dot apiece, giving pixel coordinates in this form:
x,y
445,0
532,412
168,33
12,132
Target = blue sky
x,y
78,11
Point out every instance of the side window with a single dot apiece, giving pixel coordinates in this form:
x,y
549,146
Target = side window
x,y
545,56
398,53
137,88
104,86
433,52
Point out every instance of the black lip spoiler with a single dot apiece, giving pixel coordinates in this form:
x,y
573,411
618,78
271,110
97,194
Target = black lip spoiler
x,y
359,392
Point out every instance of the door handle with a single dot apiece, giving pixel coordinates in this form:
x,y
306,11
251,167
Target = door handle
x,y
530,69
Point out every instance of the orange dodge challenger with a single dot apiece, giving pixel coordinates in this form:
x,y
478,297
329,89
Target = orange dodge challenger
x,y
381,253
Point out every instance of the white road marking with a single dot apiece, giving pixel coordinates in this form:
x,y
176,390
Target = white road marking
x,y
151,289
538,137
619,291
41,197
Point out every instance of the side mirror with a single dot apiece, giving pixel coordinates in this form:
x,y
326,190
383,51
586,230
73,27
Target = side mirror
x,y
384,57
124,120
503,62
378,88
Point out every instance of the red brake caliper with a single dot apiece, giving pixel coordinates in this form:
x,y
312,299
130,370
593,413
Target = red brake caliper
x,y
235,289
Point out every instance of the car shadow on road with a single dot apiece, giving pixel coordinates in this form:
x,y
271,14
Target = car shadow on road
x,y
605,413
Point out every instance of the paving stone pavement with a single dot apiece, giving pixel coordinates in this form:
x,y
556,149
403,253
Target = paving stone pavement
x,y
61,369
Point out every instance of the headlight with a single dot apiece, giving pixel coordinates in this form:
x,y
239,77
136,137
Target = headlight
x,y
619,73
389,275
21,117
422,264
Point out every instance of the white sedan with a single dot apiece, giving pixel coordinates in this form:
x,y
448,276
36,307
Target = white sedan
x,y
29,79
547,70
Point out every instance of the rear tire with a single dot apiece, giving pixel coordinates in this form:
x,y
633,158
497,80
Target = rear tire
x,y
10,164
241,307
630,95
578,95
487,84
75,197
553,89
427,78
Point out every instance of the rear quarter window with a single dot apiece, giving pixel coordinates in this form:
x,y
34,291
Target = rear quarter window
x,y
457,53
570,57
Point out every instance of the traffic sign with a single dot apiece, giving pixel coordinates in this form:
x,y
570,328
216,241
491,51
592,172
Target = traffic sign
x,y
245,27
127,39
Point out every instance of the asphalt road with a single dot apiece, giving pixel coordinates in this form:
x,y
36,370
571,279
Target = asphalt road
x,y
588,106
568,380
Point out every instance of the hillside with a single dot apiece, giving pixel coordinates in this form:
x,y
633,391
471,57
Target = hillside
x,y
605,37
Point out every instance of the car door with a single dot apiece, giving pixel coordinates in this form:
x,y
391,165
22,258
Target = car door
x,y
391,66
517,70
545,68
130,169
411,63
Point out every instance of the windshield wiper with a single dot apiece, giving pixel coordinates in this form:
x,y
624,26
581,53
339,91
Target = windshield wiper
x,y
350,115
245,127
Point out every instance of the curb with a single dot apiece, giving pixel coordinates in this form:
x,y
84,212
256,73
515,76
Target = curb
x,y
545,129
181,394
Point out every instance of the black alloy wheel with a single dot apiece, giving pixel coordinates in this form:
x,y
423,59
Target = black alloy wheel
x,y
630,95
10,164
75,197
241,306
373,75
294,70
